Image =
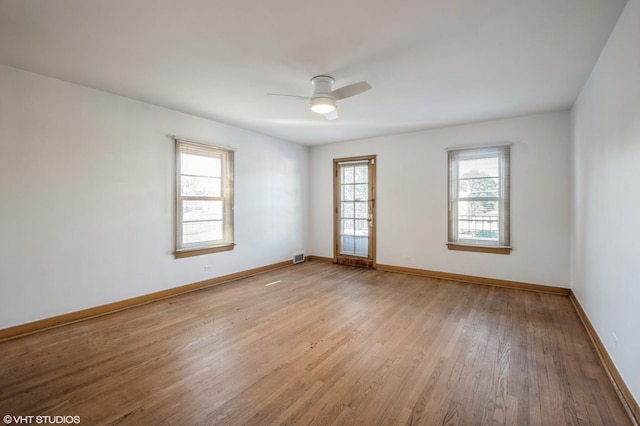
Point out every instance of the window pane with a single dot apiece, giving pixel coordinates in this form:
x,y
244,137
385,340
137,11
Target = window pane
x,y
347,174
201,165
362,174
201,210
198,232
361,192
362,246
478,208
347,210
347,227
362,210
479,186
201,186
484,166
362,227
347,192
347,244
474,223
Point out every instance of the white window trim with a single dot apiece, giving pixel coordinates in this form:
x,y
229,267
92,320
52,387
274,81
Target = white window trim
x,y
503,245
227,243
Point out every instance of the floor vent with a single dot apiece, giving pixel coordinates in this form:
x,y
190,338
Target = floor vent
x,y
298,258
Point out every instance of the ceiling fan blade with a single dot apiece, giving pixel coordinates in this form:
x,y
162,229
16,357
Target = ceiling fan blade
x,y
350,90
306,98
331,115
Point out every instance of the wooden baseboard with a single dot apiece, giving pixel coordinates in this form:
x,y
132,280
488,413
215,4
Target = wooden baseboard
x,y
462,278
630,404
476,280
109,308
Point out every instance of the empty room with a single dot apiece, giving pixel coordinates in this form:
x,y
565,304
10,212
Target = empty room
x,y
295,212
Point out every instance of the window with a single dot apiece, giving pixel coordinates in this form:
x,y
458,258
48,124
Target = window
x,y
479,199
204,199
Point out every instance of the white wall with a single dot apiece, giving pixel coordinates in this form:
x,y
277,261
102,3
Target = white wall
x,y
87,198
605,274
412,198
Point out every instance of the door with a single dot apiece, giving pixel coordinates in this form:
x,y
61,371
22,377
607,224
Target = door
x,y
355,211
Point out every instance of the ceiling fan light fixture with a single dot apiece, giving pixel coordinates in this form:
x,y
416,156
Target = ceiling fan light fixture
x,y
323,105
324,100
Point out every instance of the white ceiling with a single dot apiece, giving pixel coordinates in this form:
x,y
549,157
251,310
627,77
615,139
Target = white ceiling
x,y
431,63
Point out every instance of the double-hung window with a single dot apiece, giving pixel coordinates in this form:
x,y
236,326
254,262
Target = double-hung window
x,y
204,199
479,199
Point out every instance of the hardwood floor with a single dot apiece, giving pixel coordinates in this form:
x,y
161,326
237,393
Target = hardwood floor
x,y
317,343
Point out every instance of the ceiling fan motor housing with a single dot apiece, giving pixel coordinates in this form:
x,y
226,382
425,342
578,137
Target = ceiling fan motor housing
x,y
322,85
322,102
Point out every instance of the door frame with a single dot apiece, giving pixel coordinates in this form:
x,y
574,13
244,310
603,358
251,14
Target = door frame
x,y
348,259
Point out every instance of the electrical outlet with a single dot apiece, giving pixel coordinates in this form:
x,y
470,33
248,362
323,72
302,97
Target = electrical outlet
x,y
615,339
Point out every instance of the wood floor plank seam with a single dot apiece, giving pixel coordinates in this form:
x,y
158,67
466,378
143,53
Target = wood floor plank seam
x,y
72,317
329,344
630,404
110,308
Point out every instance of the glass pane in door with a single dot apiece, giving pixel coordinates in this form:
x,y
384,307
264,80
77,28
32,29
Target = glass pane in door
x,y
354,209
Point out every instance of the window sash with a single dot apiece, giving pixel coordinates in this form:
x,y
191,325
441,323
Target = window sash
x,y
502,153
226,197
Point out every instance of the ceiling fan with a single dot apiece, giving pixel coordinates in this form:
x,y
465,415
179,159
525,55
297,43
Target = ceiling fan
x,y
324,100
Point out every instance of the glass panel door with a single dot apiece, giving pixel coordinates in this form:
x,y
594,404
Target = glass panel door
x,y
354,210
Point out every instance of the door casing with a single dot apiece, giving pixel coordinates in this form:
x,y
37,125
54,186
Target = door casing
x,y
370,261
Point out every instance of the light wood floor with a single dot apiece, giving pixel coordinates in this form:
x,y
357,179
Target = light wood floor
x,y
327,344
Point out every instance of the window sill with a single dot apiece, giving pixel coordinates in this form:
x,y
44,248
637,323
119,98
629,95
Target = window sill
x,y
179,254
479,249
